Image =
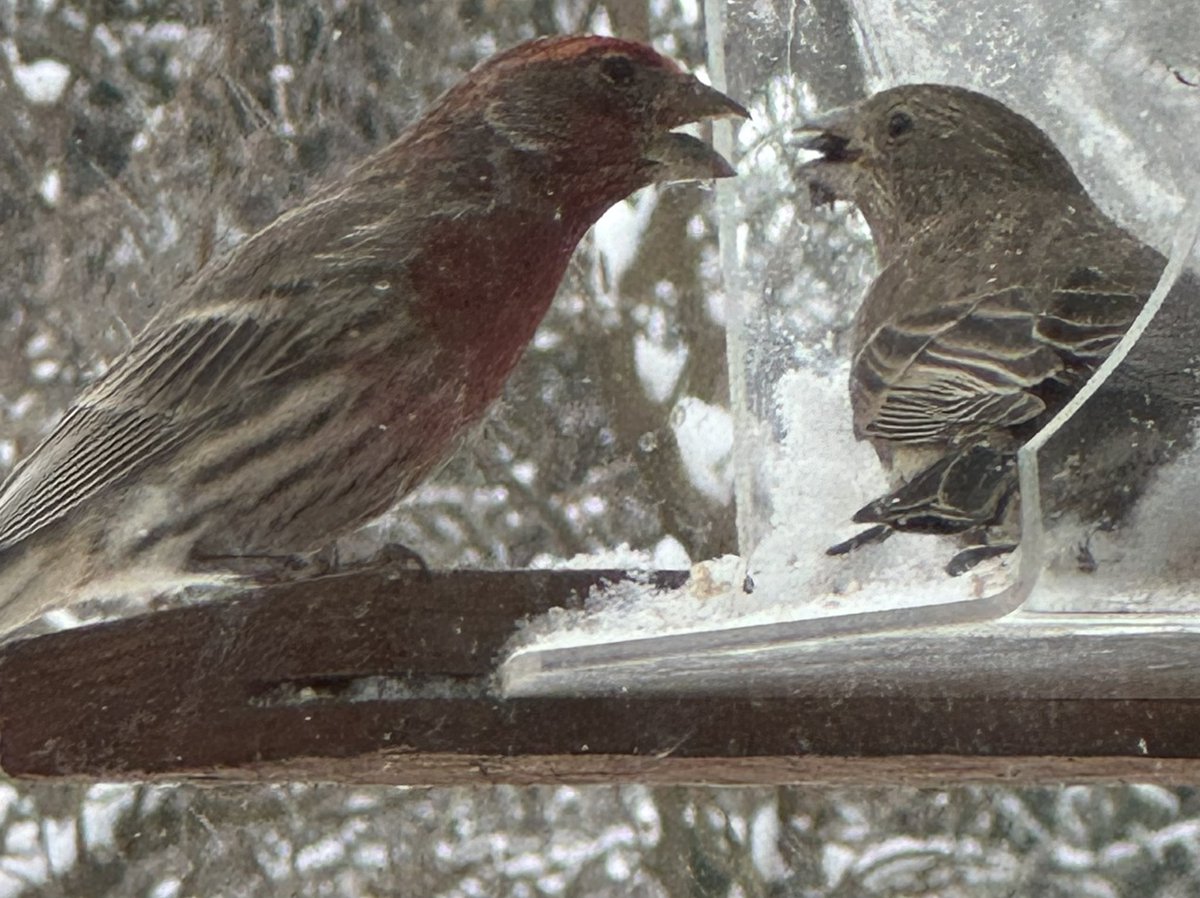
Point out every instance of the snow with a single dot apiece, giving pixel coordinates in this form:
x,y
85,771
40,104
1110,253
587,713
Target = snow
x,y
617,234
1070,857
1165,800
817,477
704,433
51,187
38,345
21,838
60,841
322,854
42,81
658,367
689,11
1150,564
1182,834
764,843
836,861
107,40
617,867
670,555
104,805
167,888
45,370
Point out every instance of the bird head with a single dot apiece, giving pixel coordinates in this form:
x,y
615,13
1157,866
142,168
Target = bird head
x,y
913,153
597,113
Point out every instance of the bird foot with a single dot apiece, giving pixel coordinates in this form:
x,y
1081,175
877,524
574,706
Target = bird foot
x,y
968,558
876,534
391,558
262,569
1085,560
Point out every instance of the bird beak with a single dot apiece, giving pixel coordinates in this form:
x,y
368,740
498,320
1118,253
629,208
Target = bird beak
x,y
830,135
682,157
688,99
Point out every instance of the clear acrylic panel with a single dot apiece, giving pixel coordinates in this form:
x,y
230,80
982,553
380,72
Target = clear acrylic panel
x,y
1114,480
1110,86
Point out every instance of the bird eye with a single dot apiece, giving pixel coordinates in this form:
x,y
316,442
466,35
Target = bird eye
x,y
899,123
617,69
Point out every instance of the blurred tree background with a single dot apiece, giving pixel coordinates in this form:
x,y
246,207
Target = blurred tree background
x,y
599,842
137,139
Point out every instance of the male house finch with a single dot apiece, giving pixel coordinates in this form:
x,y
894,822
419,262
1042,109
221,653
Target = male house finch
x,y
1002,286
295,388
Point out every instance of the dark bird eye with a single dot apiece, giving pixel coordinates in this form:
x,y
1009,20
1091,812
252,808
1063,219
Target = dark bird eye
x,y
899,123
617,69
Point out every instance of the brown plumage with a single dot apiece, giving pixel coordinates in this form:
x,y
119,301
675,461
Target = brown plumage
x,y
1002,286
294,389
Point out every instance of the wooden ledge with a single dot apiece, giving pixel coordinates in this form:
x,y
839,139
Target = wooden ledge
x,y
361,678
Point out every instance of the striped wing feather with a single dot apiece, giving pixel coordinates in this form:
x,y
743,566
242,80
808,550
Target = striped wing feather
x,y
152,399
975,366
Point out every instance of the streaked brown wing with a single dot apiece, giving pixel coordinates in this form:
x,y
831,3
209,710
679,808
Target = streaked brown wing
x,y
1088,315
153,398
974,366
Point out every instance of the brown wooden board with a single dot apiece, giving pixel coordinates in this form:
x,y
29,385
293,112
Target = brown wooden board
x,y
366,678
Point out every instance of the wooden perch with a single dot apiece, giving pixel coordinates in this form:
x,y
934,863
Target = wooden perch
x,y
362,678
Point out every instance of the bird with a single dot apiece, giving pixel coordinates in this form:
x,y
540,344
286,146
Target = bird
x,y
295,388
1002,286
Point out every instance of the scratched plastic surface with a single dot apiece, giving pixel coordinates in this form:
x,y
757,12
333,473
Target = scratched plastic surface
x,y
1109,89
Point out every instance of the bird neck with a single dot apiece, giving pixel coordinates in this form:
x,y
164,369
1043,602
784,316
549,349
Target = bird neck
x,y
485,283
958,221
574,178
499,229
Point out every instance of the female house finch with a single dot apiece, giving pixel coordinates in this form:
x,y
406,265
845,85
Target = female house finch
x,y
295,388
1002,286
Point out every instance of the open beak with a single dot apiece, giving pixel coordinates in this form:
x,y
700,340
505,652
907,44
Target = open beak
x,y
682,157
830,135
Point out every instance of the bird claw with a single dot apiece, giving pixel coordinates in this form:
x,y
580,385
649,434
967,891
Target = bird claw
x,y
876,534
391,558
1085,560
263,569
968,558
